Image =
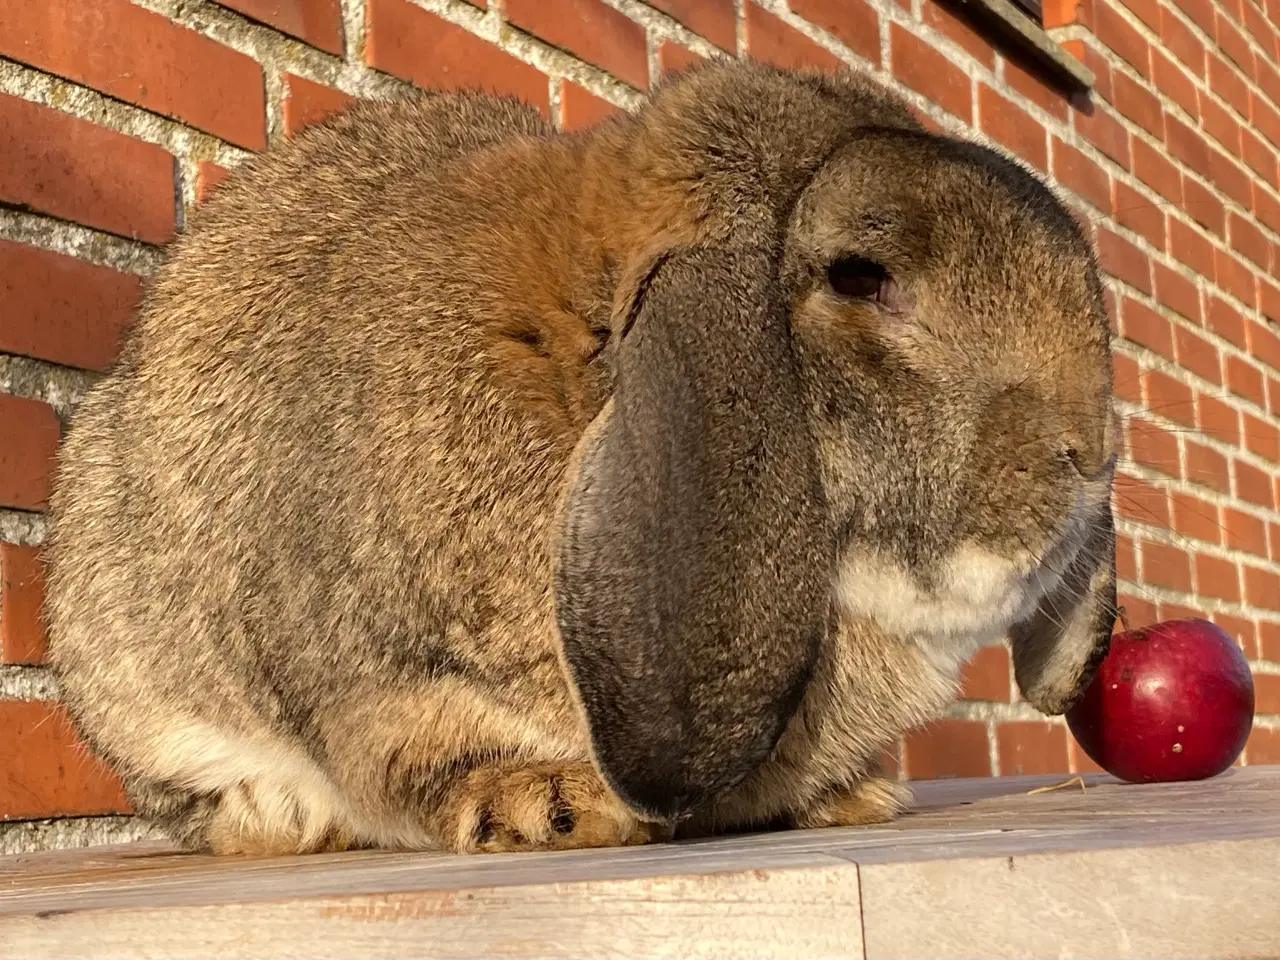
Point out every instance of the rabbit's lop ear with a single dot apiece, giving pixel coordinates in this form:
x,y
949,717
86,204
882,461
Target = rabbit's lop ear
x,y
693,579
1057,650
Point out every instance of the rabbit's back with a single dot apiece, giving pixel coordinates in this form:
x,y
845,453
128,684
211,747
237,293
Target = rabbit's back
x,y
313,456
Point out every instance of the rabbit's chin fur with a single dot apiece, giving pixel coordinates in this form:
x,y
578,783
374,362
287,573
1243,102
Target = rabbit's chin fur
x,y
976,596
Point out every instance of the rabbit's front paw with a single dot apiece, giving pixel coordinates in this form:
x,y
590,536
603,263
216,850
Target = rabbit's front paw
x,y
557,806
871,800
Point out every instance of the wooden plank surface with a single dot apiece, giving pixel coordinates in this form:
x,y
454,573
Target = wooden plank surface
x,y
797,893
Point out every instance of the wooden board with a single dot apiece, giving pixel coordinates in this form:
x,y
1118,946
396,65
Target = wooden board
x,y
981,867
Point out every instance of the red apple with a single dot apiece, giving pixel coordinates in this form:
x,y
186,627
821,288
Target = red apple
x,y
1173,701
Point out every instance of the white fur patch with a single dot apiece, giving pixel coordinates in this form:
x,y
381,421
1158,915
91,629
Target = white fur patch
x,y
284,785
979,596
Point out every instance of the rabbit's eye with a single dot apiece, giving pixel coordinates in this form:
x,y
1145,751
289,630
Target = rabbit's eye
x,y
859,278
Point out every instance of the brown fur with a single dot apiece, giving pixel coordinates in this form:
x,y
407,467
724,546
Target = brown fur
x,y
356,545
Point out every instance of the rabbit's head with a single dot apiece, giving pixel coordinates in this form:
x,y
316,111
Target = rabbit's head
x,y
871,378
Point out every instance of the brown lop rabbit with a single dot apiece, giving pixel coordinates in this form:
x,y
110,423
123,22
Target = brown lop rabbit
x,y
464,484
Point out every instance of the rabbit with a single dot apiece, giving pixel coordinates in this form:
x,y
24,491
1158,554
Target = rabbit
x,y
470,486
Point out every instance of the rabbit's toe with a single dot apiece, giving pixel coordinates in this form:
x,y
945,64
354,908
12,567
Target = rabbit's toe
x,y
548,807
871,800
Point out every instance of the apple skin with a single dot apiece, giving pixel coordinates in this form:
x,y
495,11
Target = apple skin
x,y
1173,701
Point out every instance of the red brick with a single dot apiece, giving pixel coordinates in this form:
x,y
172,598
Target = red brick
x,y
75,170
580,108
928,72
1143,325
1203,206
1234,44
1261,437
1261,588
1245,380
1264,344
1097,125
1266,207
1218,419
1123,260
1244,531
1220,123
1140,214
1061,13
1273,532
1258,156
208,176
1031,747
1273,396
1231,178
1195,517
1148,11
1169,397
947,748
1269,641
986,676
1197,354
853,22
1253,485
1012,127
1181,41
1226,82
1140,501
589,29
1190,248
307,102
1028,82
1139,104
1082,176
1207,467
1265,118
1152,446
317,22
1187,145
716,20
1126,558
772,40
142,58
1135,611
1166,566
405,40
22,637
1126,376
1121,39
673,58
1263,33
1236,277
1263,746
61,309
29,435
1216,577
1240,630
1268,300
1179,611
1266,693
1154,169
1248,240
1269,80
1173,82
48,770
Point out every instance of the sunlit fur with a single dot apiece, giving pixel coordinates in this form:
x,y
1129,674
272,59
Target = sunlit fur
x,y
303,589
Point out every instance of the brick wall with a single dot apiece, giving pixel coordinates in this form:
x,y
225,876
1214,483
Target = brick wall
x,y
117,117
